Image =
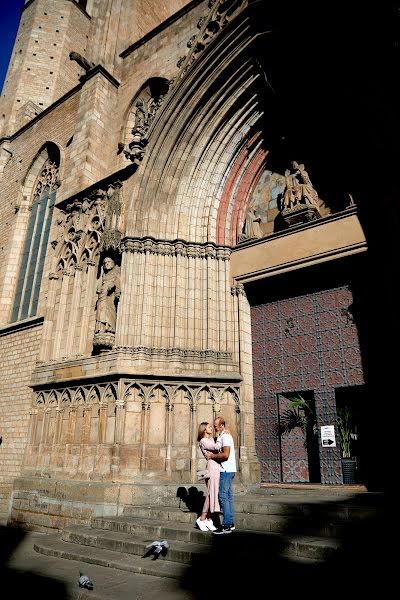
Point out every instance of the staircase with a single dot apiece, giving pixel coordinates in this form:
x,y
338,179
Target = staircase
x,y
280,533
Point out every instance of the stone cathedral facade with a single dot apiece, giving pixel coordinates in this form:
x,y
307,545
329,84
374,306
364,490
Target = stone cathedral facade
x,y
162,263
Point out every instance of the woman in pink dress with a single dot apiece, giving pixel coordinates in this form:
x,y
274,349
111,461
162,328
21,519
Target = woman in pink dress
x,y
211,503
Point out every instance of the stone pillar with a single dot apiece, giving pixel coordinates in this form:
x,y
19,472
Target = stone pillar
x,y
75,301
46,345
249,465
144,435
58,334
88,306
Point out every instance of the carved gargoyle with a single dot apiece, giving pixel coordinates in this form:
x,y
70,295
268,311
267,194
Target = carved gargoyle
x,y
82,61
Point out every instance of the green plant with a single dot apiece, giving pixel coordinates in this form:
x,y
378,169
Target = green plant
x,y
298,414
346,432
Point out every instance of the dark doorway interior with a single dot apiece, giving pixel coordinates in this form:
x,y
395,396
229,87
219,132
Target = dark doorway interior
x,y
352,400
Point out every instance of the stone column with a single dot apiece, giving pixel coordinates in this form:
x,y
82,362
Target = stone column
x,y
58,333
88,305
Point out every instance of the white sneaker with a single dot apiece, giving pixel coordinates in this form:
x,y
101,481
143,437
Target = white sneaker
x,y
201,525
210,525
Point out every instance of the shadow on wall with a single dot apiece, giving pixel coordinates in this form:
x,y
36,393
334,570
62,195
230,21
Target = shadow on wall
x,y
24,584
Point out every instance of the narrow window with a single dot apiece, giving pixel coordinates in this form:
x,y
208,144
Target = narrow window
x,y
37,235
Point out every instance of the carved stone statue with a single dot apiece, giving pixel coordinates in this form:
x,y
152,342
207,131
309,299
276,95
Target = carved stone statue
x,y
141,116
108,292
290,195
251,227
299,200
305,191
82,61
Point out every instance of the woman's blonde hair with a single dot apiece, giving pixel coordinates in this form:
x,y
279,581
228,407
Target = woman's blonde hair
x,y
202,428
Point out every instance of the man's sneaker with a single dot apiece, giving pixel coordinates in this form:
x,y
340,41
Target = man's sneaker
x,y
201,525
222,530
232,527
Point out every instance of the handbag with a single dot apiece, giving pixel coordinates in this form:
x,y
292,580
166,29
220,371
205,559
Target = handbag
x,y
203,474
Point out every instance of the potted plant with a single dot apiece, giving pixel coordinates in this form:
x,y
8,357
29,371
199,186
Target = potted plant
x,y
347,436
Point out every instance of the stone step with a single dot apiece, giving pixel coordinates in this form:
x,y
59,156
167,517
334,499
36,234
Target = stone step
x,y
284,527
79,543
129,543
53,545
148,518
187,541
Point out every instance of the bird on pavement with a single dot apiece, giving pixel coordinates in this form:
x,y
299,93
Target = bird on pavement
x,y
84,581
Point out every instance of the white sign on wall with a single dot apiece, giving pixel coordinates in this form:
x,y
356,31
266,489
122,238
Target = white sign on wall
x,y
328,439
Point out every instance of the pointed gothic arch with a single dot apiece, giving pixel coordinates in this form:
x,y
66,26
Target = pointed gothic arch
x,y
220,113
39,196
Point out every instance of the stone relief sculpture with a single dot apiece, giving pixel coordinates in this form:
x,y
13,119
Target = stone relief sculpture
x,y
108,292
299,201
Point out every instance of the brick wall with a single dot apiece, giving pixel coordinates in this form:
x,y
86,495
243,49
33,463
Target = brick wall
x,y
40,69
18,352
56,126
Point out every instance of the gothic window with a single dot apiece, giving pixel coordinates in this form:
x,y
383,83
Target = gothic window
x,y
37,235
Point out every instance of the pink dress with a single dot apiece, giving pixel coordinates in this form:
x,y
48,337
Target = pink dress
x,y
214,468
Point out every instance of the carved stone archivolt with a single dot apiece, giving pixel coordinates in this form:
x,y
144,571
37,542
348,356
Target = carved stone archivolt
x,y
221,14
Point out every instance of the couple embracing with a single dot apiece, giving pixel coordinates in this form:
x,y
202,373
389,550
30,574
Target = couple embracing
x,y
221,468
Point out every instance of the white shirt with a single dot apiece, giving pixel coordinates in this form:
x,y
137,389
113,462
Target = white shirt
x,y
229,466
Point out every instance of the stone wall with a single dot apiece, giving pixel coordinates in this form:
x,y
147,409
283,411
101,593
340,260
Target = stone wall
x,y
18,351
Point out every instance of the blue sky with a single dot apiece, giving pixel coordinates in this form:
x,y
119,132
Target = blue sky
x,y
10,13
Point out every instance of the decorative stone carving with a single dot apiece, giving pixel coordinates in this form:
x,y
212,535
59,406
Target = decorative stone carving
x,y
299,200
145,112
82,61
87,225
167,248
113,221
221,13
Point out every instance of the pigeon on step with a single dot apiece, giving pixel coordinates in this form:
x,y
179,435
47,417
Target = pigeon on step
x,y
84,581
156,548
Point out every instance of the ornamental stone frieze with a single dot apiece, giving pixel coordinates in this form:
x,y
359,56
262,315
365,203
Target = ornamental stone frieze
x,y
118,392
175,248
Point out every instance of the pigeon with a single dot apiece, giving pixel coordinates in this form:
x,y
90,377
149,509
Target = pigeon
x,y
156,548
84,581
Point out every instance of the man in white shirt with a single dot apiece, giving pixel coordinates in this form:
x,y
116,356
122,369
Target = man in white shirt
x,y
227,459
